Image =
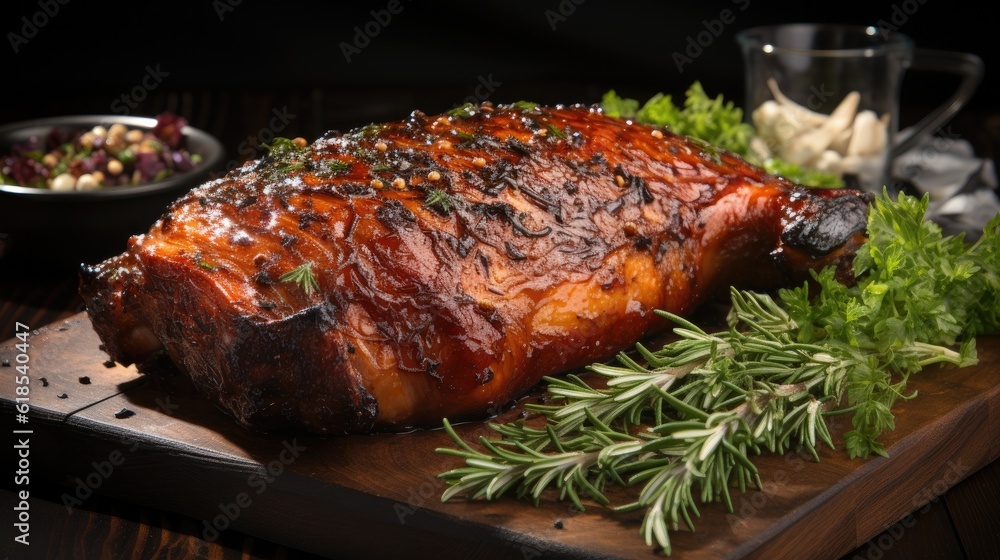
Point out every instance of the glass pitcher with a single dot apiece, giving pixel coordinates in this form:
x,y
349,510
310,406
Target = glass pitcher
x,y
827,96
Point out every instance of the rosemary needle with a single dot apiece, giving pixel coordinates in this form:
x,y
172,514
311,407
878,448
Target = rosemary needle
x,y
303,276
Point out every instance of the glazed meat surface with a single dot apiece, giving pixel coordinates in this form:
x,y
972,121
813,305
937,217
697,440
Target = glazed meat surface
x,y
440,266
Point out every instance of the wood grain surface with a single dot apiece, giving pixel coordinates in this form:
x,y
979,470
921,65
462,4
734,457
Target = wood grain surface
x,y
360,496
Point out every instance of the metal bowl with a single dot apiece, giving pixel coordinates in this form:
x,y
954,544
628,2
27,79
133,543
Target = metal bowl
x,y
40,227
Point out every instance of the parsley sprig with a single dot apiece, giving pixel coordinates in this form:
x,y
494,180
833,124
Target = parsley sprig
x,y
685,421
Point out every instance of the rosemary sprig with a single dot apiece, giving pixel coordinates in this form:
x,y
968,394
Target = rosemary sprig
x,y
686,419
463,111
525,105
335,166
700,438
750,388
439,199
303,276
285,167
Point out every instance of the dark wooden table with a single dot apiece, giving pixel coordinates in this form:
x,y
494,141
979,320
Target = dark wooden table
x,y
961,522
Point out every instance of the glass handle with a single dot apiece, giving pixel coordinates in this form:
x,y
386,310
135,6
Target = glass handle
x,y
966,65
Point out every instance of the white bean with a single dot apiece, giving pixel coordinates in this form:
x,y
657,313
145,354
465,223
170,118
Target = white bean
x,y
115,167
134,136
117,130
87,182
63,182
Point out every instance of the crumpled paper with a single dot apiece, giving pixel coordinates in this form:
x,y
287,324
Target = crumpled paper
x,y
962,187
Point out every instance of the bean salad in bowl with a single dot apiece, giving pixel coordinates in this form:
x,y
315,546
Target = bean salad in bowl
x,y
77,159
75,188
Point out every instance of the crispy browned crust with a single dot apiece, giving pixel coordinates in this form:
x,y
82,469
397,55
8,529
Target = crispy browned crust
x,y
563,230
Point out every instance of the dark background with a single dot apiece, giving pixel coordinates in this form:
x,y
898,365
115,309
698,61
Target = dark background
x,y
230,68
231,75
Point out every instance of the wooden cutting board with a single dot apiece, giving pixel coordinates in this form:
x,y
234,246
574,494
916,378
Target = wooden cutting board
x,y
156,443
